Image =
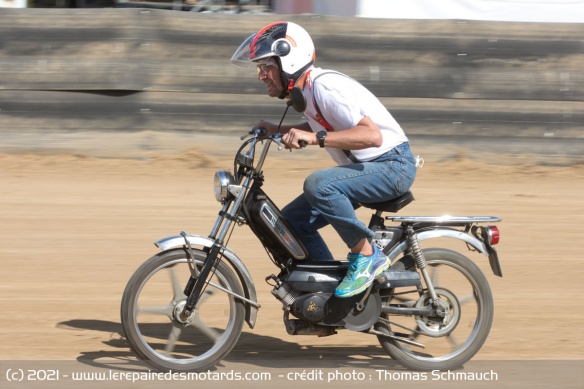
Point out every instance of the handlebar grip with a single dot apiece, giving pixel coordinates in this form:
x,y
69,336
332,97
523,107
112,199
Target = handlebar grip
x,y
302,143
261,131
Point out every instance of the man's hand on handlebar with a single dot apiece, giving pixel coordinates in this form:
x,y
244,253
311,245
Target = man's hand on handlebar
x,y
297,139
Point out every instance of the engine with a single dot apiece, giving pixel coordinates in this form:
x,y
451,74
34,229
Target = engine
x,y
307,293
310,308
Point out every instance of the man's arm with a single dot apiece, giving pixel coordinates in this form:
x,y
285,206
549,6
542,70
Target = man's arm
x,y
273,127
364,135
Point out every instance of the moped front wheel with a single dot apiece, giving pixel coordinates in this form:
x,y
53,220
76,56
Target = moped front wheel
x,y
451,340
151,313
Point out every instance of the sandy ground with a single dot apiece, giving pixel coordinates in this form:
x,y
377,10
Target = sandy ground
x,y
75,227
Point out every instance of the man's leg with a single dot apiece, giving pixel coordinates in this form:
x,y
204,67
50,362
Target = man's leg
x,y
306,222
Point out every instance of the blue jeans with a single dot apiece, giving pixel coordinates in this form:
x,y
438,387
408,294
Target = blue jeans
x,y
331,196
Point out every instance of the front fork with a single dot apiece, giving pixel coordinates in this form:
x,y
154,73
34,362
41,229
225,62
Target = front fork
x,y
198,279
197,282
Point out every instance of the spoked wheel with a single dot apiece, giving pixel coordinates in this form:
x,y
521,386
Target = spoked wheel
x,y
151,307
452,339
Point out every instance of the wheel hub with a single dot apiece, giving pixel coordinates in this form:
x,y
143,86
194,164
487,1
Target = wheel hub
x,y
178,313
448,307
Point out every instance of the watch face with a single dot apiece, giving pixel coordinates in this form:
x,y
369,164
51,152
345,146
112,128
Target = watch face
x,y
321,135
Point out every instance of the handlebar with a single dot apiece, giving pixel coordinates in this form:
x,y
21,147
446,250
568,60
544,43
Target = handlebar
x,y
261,132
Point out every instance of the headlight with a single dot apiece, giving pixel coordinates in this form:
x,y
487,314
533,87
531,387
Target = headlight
x,y
222,181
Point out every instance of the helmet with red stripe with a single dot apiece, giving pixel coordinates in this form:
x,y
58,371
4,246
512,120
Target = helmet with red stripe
x,y
289,43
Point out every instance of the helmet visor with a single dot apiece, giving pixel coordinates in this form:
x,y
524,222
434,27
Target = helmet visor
x,y
253,49
241,56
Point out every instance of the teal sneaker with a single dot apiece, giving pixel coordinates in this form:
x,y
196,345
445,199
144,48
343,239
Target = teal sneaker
x,y
362,271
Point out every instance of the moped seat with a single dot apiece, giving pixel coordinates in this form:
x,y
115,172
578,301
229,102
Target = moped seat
x,y
392,205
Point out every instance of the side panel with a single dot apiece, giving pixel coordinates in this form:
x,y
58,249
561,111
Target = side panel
x,y
242,272
270,227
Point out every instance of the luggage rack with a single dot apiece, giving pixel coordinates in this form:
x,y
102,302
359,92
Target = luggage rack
x,y
446,219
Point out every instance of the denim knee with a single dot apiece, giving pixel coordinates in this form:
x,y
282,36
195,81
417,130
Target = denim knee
x,y
314,186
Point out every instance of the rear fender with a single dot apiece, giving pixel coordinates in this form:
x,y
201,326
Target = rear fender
x,y
453,234
251,306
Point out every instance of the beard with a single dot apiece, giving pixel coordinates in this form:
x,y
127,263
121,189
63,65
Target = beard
x,y
273,89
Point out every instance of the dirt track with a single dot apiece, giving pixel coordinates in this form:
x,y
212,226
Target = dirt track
x,y
75,227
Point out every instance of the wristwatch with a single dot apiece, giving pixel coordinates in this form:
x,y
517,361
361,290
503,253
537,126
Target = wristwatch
x,y
320,136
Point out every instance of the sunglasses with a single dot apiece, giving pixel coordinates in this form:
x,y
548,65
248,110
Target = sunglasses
x,y
265,67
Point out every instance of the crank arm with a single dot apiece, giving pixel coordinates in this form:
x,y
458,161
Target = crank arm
x,y
398,338
361,304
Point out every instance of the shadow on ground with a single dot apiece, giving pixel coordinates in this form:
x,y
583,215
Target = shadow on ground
x,y
253,349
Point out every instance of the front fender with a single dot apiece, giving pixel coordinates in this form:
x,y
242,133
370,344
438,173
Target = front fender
x,y
251,309
449,233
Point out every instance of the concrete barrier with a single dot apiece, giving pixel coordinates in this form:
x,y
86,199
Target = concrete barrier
x,y
171,70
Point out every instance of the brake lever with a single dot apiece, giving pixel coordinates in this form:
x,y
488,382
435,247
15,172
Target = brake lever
x,y
277,138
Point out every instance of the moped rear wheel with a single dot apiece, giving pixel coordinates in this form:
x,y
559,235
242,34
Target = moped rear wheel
x,y
454,339
151,306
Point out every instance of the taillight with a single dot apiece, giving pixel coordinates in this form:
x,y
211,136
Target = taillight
x,y
493,234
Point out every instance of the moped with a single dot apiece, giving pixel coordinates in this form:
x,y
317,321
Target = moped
x,y
184,308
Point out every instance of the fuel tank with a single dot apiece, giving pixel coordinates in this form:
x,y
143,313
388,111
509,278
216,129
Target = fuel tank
x,y
272,229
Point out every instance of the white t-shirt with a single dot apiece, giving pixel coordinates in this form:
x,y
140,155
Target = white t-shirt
x,y
343,102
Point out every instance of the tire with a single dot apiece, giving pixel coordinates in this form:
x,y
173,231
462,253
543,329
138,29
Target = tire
x,y
154,295
449,344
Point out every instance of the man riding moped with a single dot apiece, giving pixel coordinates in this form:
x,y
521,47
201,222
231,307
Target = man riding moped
x,y
372,152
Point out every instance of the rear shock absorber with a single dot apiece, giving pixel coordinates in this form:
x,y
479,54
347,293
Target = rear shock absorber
x,y
414,248
416,252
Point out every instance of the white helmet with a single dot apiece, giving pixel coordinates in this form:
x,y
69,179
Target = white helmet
x,y
286,41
